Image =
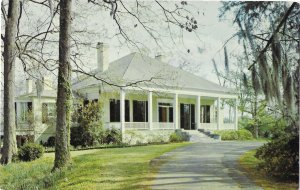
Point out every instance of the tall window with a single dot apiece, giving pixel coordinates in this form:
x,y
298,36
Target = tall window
x,y
140,111
48,111
205,114
165,112
25,110
114,110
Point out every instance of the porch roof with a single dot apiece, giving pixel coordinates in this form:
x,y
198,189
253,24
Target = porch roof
x,y
149,72
44,94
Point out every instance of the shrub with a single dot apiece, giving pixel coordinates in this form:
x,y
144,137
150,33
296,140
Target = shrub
x,y
113,136
174,137
178,136
281,157
227,134
30,151
241,134
89,129
51,142
244,134
76,136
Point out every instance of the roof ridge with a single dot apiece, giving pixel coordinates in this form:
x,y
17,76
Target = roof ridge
x,y
202,78
134,54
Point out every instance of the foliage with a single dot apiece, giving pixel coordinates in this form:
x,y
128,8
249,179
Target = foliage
x,y
90,129
241,134
268,125
178,136
227,134
30,151
244,134
110,162
281,157
249,164
51,142
112,136
273,60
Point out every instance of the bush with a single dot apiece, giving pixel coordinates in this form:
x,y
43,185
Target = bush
x,y
178,136
241,134
76,136
244,134
113,136
51,142
281,157
89,129
227,134
30,151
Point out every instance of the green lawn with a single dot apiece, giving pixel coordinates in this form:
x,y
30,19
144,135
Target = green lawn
x,y
249,164
114,168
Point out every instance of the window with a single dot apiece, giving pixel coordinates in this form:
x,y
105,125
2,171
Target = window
x,y
140,111
25,109
165,112
86,102
48,111
205,114
114,110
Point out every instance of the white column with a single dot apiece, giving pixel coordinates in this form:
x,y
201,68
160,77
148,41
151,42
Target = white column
x,y
175,111
236,115
218,119
198,105
122,110
150,110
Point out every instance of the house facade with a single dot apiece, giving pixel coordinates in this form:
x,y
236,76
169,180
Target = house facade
x,y
146,94
139,94
35,112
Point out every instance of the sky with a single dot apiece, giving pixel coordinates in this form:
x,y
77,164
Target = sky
x,y
208,38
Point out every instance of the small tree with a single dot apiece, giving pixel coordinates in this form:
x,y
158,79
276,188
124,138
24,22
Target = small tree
x,y
90,127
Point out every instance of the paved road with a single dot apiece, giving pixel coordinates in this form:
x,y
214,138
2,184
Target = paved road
x,y
205,166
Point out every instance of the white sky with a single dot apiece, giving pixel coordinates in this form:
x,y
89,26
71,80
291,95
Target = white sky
x,y
211,32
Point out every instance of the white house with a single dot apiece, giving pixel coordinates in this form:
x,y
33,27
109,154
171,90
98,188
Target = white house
x,y
35,111
146,94
140,94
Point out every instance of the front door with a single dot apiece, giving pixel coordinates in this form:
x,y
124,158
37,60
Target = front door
x,y
187,116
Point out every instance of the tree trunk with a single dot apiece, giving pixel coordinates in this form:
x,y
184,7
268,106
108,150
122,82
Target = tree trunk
x,y
62,140
255,117
10,52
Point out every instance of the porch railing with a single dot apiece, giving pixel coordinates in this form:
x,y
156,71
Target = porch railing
x,y
163,125
141,125
213,126
209,126
136,125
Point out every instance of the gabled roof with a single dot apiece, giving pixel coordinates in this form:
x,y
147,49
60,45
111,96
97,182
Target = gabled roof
x,y
44,93
150,72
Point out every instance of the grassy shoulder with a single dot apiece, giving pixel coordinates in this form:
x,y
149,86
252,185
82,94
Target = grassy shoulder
x,y
249,164
115,168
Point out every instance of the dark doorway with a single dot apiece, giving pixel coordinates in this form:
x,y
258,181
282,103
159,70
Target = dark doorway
x,y
187,116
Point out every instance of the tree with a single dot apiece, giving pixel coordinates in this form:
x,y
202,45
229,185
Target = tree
x,y
273,59
62,155
64,96
274,66
10,53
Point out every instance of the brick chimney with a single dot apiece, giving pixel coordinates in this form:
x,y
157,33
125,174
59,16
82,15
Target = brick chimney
x,y
29,86
160,57
102,56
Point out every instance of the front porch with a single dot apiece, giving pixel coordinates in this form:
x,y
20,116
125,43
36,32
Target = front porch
x,y
153,110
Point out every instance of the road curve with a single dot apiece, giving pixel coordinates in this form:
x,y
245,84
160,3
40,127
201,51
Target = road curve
x,y
205,166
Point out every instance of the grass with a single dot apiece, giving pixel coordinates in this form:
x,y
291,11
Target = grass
x,y
115,168
249,164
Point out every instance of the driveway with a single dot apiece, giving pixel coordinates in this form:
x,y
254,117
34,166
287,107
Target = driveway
x,y
205,166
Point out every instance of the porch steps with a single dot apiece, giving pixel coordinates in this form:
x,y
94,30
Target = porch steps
x,y
197,136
